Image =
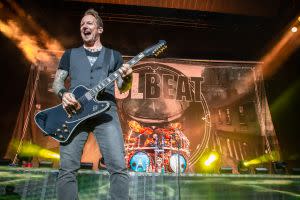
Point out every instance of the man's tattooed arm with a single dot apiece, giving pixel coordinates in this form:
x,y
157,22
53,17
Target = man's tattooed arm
x,y
59,82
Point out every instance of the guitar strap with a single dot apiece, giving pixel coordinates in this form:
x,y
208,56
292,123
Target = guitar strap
x,y
108,60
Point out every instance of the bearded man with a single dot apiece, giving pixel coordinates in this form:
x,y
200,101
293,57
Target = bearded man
x,y
87,65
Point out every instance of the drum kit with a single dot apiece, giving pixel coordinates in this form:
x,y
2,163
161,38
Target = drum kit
x,y
156,149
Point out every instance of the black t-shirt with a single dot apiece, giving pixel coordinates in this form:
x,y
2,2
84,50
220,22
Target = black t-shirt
x,y
64,63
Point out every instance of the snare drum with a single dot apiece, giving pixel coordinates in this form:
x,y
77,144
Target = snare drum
x,y
173,163
139,162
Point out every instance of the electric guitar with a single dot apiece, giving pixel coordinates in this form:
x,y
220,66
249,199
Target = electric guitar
x,y
60,125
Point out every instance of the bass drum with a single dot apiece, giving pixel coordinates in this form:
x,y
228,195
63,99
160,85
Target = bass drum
x,y
139,162
173,163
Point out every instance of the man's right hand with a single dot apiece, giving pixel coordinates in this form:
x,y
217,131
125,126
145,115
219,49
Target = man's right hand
x,y
69,103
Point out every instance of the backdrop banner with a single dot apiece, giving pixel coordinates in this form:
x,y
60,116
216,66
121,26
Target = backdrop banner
x,y
177,110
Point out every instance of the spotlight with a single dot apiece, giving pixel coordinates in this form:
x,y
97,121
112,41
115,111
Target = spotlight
x,y
86,165
294,29
261,170
279,167
4,162
226,170
45,164
242,168
213,156
209,162
30,150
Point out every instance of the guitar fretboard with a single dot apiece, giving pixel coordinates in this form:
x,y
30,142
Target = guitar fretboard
x,y
112,77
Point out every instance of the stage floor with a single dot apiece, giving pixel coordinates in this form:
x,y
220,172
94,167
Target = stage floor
x,y
40,184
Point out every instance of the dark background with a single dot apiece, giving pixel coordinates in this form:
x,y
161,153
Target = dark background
x,y
190,34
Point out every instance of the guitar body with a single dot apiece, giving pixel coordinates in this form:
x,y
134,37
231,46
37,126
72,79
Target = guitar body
x,y
56,123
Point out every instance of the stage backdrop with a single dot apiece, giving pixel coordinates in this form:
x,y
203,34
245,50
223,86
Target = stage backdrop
x,y
176,109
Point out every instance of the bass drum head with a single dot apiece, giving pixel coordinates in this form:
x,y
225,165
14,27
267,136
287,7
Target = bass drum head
x,y
139,162
173,163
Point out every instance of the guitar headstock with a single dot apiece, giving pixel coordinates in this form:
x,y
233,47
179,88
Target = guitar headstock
x,y
156,49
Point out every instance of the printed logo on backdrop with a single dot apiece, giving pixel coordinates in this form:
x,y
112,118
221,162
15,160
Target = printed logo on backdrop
x,y
162,96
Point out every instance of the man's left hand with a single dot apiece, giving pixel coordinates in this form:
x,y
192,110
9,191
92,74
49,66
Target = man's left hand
x,y
125,70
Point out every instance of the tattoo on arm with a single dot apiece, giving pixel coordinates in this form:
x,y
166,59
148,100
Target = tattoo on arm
x,y
59,81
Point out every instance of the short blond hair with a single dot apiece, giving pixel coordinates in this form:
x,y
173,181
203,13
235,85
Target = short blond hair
x,y
96,15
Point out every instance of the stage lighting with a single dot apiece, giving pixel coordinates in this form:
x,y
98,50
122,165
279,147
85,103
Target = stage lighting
x,y
261,170
258,161
226,170
213,156
32,150
86,165
242,168
294,29
45,164
5,162
208,163
279,167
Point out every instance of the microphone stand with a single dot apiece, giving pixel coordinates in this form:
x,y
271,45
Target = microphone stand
x,y
178,163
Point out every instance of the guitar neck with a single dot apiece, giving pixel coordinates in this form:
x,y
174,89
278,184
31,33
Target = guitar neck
x,y
113,76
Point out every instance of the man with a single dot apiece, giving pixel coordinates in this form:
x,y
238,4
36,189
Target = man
x,y
87,65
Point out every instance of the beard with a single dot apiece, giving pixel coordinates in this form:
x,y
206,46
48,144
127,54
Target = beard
x,y
89,39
